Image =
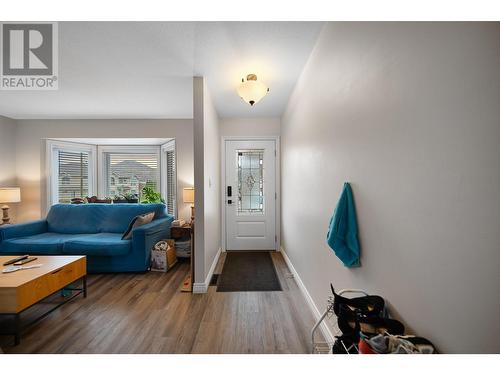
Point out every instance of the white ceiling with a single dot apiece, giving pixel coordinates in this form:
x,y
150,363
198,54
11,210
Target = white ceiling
x,y
145,69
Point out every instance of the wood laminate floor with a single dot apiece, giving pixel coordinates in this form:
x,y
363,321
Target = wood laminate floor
x,y
146,313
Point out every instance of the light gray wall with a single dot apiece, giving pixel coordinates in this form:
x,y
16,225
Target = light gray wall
x,y
30,152
257,126
206,179
199,180
8,159
409,113
212,180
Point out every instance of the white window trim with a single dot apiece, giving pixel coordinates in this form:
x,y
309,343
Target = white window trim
x,y
169,146
52,167
101,162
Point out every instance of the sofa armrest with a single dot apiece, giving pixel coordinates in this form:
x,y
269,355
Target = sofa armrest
x,y
23,230
146,236
162,225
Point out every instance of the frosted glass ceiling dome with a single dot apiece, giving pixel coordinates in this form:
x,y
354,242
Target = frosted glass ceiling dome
x,y
251,90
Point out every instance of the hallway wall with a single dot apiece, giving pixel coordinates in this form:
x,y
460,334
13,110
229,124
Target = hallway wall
x,y
409,114
255,126
206,183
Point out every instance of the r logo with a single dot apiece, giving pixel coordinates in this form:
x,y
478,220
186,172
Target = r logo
x,y
28,58
27,49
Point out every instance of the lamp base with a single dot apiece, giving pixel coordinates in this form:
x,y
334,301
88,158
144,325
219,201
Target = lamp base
x,y
192,213
5,218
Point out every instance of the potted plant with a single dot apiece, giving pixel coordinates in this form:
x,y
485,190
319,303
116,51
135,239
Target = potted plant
x,y
149,195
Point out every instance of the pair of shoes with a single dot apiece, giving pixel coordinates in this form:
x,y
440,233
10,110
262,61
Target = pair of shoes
x,y
361,315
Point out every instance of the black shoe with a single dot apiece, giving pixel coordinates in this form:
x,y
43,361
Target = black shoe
x,y
368,305
347,321
376,325
352,322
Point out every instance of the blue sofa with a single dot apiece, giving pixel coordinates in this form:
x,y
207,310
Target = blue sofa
x,y
94,230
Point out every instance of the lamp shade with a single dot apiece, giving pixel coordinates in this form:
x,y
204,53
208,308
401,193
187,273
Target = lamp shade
x,y
10,195
188,195
251,90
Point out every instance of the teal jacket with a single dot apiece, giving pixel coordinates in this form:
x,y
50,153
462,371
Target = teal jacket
x,y
342,234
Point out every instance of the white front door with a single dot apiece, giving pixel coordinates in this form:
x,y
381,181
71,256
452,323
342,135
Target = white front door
x,y
250,195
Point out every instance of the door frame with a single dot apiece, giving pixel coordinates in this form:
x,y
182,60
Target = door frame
x,y
276,139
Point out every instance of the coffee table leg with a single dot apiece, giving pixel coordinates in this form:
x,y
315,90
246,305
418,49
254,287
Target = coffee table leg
x,y
17,327
84,286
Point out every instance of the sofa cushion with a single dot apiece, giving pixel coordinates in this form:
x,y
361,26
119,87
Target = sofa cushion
x,y
44,243
137,222
119,216
98,217
72,219
104,244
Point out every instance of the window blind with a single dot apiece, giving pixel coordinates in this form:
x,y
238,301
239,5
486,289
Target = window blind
x,y
171,182
127,174
73,175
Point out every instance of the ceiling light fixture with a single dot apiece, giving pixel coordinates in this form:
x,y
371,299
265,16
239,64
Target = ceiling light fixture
x,y
251,90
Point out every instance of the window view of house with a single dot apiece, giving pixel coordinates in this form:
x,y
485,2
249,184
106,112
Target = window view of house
x,y
128,174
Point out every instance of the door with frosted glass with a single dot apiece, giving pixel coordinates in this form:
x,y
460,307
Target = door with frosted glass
x,y
250,195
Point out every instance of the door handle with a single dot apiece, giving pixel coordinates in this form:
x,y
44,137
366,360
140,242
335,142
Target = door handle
x,y
229,191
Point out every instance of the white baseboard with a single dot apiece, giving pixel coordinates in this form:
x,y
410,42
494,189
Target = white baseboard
x,y
329,337
199,288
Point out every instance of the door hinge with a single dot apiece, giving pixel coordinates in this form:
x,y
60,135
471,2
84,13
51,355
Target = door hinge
x,y
275,238
275,153
275,195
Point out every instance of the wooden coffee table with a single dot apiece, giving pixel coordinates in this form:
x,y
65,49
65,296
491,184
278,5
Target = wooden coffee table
x,y
22,289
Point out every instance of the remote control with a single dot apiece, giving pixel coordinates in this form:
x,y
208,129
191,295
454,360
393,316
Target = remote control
x,y
15,260
24,261
17,268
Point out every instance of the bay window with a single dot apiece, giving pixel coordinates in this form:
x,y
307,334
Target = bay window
x,y
77,170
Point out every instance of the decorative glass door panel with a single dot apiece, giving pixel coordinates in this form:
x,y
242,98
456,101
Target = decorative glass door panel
x,y
250,181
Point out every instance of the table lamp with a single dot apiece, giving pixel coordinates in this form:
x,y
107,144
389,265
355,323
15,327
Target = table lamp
x,y
9,195
188,197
